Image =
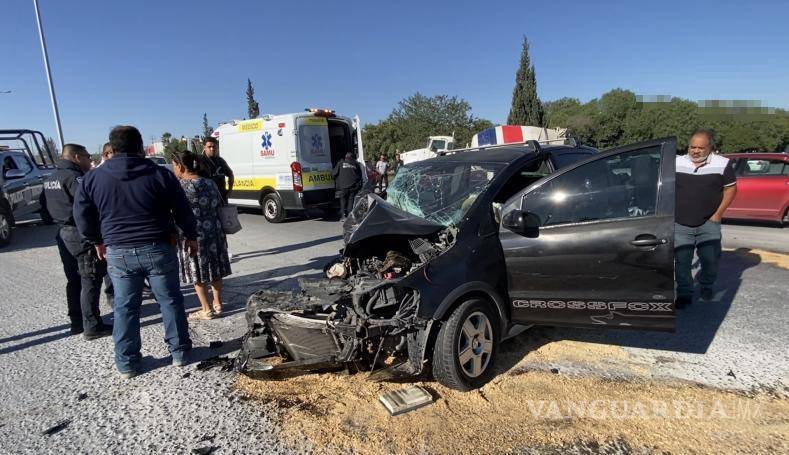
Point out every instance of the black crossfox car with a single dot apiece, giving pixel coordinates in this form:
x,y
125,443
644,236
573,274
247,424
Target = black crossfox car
x,y
467,248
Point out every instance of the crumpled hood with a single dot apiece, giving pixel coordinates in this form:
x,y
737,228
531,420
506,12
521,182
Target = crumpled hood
x,y
126,167
373,216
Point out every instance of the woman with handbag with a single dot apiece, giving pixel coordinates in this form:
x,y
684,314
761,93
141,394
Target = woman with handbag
x,y
211,264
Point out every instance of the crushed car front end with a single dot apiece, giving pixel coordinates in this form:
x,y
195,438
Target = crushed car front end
x,y
365,309
377,303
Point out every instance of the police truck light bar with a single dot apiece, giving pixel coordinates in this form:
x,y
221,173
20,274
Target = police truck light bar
x,y
320,112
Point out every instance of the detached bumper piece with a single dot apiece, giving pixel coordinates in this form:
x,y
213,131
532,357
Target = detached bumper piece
x,y
303,340
405,400
328,333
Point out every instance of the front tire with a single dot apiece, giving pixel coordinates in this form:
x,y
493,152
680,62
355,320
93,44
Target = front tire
x,y
5,227
466,346
273,210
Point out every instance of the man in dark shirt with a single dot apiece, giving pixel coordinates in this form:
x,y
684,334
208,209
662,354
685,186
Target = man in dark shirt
x,y
216,168
398,162
705,187
84,271
347,180
134,201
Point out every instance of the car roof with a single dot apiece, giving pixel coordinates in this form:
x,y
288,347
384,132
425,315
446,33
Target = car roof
x,y
509,154
762,156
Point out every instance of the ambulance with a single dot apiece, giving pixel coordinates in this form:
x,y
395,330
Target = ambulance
x,y
283,163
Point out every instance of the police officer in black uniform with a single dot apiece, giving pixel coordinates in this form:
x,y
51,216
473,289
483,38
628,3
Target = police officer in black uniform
x,y
347,175
84,272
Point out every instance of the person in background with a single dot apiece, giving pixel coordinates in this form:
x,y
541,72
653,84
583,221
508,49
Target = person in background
x,y
216,168
705,187
106,153
382,166
398,162
206,269
109,293
126,208
347,175
84,271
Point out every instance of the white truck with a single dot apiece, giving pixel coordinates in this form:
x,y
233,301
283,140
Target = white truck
x,y
436,145
284,162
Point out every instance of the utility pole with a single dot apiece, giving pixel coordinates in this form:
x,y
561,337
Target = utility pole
x,y
49,74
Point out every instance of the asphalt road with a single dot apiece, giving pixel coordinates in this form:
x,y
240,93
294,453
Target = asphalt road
x,y
48,377
770,237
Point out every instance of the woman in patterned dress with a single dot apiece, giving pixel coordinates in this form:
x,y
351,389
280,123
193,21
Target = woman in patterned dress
x,y
211,263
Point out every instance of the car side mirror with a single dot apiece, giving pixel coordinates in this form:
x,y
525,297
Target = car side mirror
x,y
14,174
524,223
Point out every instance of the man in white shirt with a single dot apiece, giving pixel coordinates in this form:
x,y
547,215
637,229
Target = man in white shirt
x,y
705,187
381,167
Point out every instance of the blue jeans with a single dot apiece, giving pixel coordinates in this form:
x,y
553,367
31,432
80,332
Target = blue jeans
x,y
706,240
128,268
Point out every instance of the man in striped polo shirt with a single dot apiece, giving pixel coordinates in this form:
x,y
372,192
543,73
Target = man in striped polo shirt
x,y
706,185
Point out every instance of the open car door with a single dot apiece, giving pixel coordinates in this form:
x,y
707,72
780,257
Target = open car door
x,y
357,129
593,244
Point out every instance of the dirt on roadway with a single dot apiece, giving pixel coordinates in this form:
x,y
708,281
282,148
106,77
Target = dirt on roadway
x,y
599,400
556,395
524,409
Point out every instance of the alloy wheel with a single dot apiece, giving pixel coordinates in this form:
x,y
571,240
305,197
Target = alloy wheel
x,y
475,344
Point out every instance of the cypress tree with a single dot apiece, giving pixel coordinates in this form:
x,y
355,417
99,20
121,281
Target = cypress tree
x,y
207,130
253,108
526,106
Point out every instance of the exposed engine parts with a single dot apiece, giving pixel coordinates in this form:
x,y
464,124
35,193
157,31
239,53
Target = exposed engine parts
x,y
362,316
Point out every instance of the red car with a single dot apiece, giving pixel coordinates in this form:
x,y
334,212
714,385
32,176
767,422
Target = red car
x,y
762,187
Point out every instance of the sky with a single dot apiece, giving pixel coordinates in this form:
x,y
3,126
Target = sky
x,y
159,65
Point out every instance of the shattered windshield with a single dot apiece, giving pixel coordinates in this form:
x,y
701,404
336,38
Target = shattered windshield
x,y
441,192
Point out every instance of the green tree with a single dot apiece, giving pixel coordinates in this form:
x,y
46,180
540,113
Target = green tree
x,y
419,116
677,117
526,106
207,130
619,118
253,108
613,109
53,146
171,146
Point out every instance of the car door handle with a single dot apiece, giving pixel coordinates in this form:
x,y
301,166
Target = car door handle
x,y
654,241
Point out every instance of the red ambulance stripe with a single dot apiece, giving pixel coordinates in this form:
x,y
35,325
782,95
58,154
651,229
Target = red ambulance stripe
x,y
512,133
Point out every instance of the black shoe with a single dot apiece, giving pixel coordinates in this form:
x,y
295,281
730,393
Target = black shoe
x,y
707,294
76,329
683,302
100,332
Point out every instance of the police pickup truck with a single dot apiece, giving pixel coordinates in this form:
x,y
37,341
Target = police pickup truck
x,y
25,160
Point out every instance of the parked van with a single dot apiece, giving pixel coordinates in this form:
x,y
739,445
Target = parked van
x,y
284,162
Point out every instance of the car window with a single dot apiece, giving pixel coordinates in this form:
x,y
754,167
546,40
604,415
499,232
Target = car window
x,y
23,164
624,185
759,167
523,177
314,143
8,164
440,191
561,160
